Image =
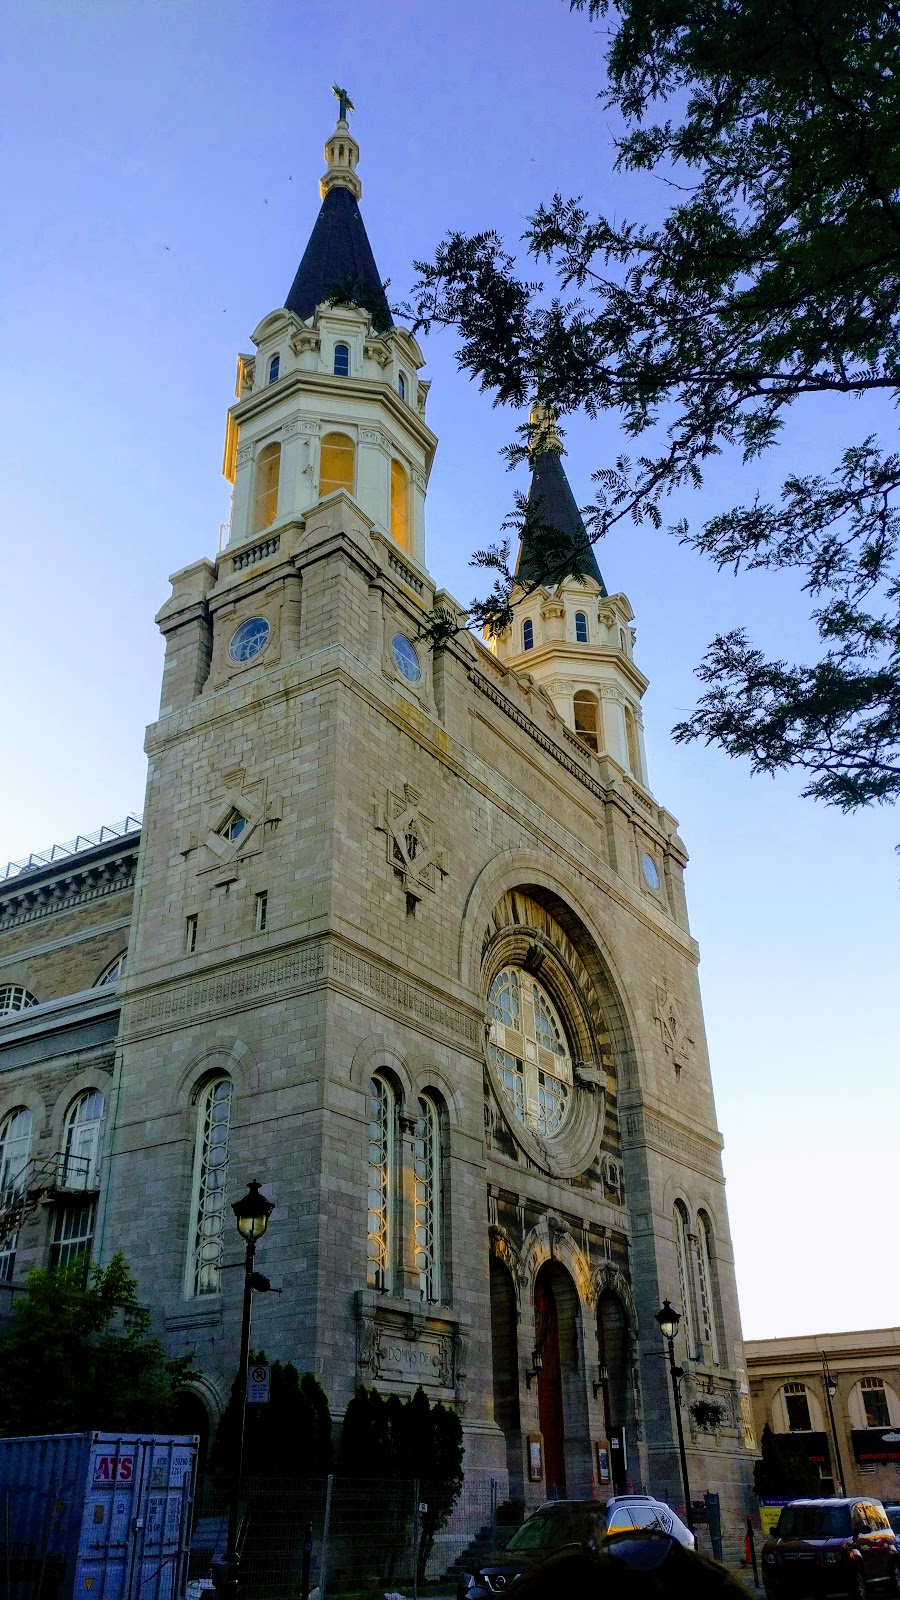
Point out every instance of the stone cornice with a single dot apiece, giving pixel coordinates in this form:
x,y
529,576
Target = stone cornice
x,y
690,1146
88,1005
30,897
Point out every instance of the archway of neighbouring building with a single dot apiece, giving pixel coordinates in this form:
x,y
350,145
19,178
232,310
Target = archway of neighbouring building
x,y
191,1416
612,1346
504,1357
562,1401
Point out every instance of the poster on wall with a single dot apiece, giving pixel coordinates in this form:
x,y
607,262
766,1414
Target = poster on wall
x,y
535,1458
601,1452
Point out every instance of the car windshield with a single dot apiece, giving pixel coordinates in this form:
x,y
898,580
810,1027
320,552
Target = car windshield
x,y
550,1530
813,1522
894,1517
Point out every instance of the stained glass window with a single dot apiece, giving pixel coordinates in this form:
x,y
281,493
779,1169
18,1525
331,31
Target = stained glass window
x,y
210,1185
682,1247
707,1287
428,1200
381,1145
529,1050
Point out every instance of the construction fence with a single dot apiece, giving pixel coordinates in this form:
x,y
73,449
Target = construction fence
x,y
365,1537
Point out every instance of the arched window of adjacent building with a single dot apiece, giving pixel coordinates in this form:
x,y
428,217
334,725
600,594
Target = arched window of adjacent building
x,y
274,368
15,1153
796,1405
683,1251
875,1404
337,464
210,1185
401,387
631,742
400,505
14,998
382,1144
587,718
709,1299
81,1141
581,628
265,498
342,360
429,1200
112,972
528,634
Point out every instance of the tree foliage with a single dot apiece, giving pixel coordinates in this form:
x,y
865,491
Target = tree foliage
x,y
288,1437
78,1356
400,1441
773,279
782,1470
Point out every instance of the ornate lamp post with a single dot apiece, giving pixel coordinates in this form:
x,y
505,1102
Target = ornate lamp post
x,y
830,1391
252,1215
667,1319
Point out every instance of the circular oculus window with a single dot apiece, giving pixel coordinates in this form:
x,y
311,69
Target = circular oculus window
x,y
405,658
529,1051
649,869
250,639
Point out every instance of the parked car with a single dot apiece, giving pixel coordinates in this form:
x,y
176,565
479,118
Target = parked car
x,y
840,1546
564,1524
893,1516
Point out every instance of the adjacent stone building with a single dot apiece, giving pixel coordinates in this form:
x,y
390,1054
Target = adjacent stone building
x,y
836,1398
410,946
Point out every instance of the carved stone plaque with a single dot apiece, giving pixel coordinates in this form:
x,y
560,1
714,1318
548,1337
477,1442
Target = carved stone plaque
x,y
400,1348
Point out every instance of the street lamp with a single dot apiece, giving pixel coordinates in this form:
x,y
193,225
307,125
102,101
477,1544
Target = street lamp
x,y
831,1388
537,1367
252,1215
668,1319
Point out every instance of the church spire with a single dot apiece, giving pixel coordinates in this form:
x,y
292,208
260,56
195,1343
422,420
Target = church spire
x,y
338,260
554,503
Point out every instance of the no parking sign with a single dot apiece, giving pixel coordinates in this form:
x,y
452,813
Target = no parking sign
x,y
258,1379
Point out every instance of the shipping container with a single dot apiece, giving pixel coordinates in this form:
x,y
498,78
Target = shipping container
x,y
95,1516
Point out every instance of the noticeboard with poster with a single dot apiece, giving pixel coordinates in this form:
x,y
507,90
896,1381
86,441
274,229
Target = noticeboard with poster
x,y
535,1458
601,1457
770,1511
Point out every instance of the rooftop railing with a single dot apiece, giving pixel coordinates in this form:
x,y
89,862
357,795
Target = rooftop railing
x,y
72,847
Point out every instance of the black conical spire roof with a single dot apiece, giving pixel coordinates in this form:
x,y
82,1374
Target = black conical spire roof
x,y
554,507
339,258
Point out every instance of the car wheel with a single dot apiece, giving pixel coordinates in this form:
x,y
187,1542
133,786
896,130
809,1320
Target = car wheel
x,y
858,1588
893,1584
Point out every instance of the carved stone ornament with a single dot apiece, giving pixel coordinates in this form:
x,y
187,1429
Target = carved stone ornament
x,y
305,339
677,1042
402,1347
411,847
223,856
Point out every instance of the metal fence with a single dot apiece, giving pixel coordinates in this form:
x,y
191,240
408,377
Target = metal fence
x,y
368,1537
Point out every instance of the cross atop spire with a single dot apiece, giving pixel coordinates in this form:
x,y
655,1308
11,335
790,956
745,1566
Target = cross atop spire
x,y
346,103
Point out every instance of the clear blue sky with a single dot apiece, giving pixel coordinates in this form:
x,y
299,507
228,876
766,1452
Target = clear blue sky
x,y
160,164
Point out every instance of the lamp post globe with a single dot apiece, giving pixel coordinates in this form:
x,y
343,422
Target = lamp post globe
x,y
668,1320
252,1213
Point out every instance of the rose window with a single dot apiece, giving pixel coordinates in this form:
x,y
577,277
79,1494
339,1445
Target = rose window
x,y
529,1050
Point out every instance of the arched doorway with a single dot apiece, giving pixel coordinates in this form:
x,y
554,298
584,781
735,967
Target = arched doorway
x,y
612,1345
504,1357
191,1416
562,1403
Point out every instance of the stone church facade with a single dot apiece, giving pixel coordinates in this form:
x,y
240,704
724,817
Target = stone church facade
x,y
409,944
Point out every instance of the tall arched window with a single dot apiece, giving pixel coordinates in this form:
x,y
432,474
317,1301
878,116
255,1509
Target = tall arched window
x,y
587,718
683,1251
81,1141
15,1153
265,499
581,631
709,1310
528,634
274,368
210,1185
429,1200
400,505
337,463
113,971
401,386
631,742
382,1109
342,360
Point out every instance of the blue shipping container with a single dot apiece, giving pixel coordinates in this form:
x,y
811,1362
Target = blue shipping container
x,y
95,1516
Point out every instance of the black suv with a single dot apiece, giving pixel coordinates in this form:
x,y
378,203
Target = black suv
x,y
823,1547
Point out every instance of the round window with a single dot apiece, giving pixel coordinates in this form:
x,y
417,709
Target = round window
x,y
530,1051
649,869
405,659
249,640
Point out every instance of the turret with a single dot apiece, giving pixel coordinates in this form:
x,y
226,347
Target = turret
x,y
331,399
573,637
